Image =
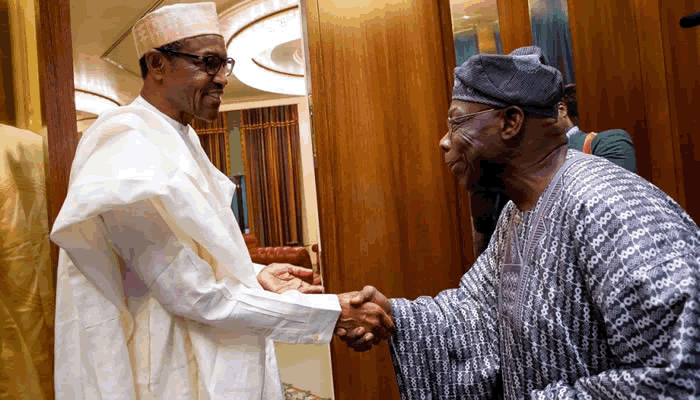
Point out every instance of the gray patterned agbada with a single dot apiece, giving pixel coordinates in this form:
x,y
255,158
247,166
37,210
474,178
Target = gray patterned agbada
x,y
604,305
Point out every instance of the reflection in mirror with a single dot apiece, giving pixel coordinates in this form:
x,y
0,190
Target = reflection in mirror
x,y
475,28
239,201
261,35
271,149
550,31
265,39
84,120
268,160
270,137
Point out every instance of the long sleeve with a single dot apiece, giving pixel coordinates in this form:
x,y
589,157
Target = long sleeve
x,y
447,347
639,256
186,285
653,325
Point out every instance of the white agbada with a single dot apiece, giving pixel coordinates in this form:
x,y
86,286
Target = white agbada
x,y
157,297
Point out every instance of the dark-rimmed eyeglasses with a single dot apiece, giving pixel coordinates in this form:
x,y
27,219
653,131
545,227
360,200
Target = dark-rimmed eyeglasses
x,y
454,123
212,64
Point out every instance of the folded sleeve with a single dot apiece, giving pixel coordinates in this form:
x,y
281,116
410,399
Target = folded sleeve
x,y
187,286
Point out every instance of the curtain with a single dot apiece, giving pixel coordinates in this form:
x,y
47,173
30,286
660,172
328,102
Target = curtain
x,y
550,31
272,164
26,274
214,138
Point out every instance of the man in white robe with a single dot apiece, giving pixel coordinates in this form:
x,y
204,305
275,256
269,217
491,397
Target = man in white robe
x,y
157,296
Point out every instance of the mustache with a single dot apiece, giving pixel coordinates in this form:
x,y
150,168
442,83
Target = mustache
x,y
214,87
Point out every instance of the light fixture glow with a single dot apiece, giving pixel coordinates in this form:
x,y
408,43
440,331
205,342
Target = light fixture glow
x,y
256,29
93,103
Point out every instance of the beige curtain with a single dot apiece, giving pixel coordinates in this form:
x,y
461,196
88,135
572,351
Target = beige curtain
x,y
26,274
214,139
272,152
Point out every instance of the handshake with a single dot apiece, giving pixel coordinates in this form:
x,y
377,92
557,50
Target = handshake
x,y
365,317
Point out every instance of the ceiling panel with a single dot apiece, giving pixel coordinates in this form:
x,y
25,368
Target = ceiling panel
x,y
100,31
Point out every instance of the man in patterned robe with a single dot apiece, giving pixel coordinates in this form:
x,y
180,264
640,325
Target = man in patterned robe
x,y
590,286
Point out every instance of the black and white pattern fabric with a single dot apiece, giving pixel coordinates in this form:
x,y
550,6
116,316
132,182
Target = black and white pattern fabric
x,y
603,302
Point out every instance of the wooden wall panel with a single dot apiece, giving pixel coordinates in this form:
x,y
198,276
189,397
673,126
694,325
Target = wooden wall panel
x,y
611,85
463,208
58,102
388,204
660,139
514,22
636,69
682,63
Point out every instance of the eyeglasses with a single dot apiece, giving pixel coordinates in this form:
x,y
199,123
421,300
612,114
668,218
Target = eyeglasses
x,y
212,64
454,123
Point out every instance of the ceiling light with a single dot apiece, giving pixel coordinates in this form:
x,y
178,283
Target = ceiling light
x,y
256,29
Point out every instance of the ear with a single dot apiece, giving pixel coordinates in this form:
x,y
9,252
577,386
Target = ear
x,y
562,110
156,63
512,122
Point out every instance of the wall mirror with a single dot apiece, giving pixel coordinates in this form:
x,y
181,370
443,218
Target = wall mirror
x,y
475,28
262,138
549,20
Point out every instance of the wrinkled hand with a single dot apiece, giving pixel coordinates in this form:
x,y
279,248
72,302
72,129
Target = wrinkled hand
x,y
280,278
366,319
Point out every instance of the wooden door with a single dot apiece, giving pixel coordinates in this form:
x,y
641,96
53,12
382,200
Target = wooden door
x,y
381,75
636,69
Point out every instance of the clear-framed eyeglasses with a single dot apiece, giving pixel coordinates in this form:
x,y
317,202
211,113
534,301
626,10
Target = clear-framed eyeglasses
x,y
454,123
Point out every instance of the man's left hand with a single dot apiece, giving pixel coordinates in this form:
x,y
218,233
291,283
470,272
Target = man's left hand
x,y
280,278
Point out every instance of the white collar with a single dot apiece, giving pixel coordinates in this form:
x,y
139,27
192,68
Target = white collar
x,y
572,131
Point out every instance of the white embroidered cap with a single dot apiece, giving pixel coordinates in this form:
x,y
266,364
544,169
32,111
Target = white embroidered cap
x,y
174,22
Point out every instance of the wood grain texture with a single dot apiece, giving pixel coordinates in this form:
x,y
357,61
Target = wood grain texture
x,y
58,102
611,90
387,201
58,107
514,22
7,90
637,70
657,149
462,209
682,65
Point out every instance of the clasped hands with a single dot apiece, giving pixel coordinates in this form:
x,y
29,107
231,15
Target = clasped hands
x,y
365,319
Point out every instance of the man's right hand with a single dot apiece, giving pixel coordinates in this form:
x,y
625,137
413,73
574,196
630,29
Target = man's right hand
x,y
365,320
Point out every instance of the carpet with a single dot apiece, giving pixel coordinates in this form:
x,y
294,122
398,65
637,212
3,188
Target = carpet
x,y
292,392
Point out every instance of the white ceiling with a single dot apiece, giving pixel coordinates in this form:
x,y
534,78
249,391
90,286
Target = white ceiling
x,y
105,56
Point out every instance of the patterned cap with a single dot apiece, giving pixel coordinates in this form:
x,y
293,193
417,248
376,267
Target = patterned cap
x,y
522,78
172,23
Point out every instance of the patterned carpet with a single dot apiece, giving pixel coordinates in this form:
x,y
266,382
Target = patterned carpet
x,y
292,392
